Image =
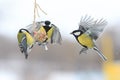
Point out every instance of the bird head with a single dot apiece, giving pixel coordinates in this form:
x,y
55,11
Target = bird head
x,y
47,23
76,33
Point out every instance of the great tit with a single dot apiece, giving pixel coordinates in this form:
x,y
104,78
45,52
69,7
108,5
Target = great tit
x,y
25,41
51,31
88,32
45,32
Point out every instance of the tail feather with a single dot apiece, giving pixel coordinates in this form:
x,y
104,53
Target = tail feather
x,y
100,54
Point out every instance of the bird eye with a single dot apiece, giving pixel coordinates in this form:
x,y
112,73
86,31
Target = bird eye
x,y
77,33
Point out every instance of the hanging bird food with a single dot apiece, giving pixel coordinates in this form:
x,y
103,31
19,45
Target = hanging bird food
x,y
37,33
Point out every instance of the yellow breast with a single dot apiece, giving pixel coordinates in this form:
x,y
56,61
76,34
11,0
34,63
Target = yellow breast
x,y
86,40
50,32
30,39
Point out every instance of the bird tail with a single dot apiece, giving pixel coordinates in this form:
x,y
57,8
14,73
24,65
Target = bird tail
x,y
100,53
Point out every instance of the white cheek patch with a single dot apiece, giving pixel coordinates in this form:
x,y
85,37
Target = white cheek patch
x,y
77,33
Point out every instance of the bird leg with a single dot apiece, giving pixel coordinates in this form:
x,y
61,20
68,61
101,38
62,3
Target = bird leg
x,y
45,45
83,50
26,55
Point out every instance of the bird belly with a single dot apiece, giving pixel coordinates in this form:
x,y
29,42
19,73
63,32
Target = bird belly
x,y
86,40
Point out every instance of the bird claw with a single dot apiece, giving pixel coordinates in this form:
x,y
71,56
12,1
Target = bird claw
x,y
83,50
26,56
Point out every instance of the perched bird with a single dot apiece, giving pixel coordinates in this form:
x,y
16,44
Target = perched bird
x,y
88,32
25,41
45,31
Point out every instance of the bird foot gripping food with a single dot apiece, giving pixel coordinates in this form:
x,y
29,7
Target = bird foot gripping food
x,y
83,50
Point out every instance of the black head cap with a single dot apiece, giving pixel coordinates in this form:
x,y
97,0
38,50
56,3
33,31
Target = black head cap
x,y
47,23
75,31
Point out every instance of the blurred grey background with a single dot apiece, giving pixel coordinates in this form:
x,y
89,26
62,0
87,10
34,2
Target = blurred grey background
x,y
60,62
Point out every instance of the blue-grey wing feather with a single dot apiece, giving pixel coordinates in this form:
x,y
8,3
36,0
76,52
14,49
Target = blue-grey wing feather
x,y
23,44
92,27
56,36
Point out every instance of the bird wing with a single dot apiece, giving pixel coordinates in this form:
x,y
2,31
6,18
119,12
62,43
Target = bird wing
x,y
85,23
31,28
23,44
56,36
96,28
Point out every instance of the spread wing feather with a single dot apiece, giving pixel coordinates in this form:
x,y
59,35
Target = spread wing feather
x,y
92,27
85,23
97,28
56,36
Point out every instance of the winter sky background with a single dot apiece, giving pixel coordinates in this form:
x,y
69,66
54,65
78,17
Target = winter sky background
x,y
66,14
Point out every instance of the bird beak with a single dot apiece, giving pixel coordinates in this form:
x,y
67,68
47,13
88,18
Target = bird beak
x,y
71,33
